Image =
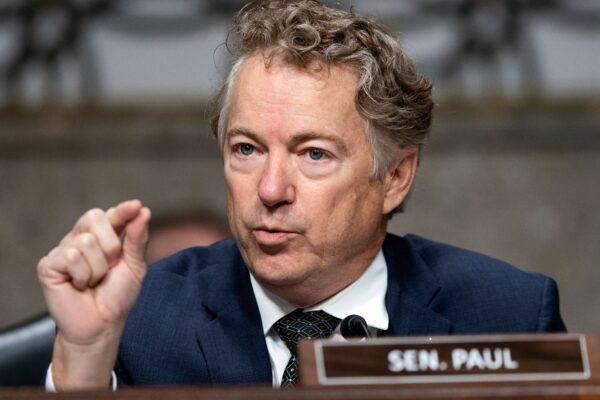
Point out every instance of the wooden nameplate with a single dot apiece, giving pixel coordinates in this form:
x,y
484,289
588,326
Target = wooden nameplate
x,y
452,360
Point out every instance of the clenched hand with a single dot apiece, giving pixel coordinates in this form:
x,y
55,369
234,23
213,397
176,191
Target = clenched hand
x,y
91,281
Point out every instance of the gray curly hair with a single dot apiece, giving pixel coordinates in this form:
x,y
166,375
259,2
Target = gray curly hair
x,y
393,99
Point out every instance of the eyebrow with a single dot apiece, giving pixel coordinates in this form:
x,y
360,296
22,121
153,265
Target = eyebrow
x,y
244,132
297,138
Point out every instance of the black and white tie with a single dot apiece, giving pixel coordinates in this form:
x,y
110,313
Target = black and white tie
x,y
299,325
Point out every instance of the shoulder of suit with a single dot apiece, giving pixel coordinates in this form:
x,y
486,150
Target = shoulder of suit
x,y
189,271
480,293
455,265
171,282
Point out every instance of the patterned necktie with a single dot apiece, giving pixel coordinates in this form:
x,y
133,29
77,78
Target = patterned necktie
x,y
299,325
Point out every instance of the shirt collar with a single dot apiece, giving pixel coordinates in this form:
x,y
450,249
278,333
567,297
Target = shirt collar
x,y
364,297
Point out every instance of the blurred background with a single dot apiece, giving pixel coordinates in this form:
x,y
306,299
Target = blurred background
x,y
106,100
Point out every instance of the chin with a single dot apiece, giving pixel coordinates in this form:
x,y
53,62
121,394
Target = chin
x,y
277,271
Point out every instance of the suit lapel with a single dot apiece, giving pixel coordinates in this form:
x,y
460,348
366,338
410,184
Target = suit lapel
x,y
411,291
232,340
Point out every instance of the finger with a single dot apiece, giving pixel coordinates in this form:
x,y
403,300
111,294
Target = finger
x,y
95,221
105,236
53,261
53,266
77,268
134,244
89,247
119,216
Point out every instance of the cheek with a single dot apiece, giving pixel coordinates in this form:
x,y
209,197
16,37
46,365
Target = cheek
x,y
332,205
239,183
348,207
237,196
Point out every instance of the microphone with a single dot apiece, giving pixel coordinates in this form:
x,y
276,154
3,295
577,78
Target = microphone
x,y
354,326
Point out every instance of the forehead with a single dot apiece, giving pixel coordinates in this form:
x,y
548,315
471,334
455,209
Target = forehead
x,y
281,97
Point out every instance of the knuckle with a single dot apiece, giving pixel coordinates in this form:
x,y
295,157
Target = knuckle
x,y
53,253
43,263
72,255
87,240
66,238
94,214
56,252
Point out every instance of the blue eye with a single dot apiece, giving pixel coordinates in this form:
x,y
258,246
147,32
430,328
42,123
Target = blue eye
x,y
246,149
316,154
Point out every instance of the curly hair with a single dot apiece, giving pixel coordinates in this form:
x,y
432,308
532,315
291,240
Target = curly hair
x,y
393,99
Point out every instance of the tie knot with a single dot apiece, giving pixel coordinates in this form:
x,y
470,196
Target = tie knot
x,y
299,325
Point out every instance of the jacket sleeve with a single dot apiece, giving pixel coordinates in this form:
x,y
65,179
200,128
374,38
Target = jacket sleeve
x,y
549,319
120,372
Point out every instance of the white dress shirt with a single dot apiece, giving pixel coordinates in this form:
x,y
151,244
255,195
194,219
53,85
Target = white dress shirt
x,y
364,297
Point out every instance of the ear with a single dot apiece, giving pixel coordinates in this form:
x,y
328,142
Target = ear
x,y
399,178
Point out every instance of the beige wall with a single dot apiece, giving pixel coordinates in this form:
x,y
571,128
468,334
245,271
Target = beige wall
x,y
515,189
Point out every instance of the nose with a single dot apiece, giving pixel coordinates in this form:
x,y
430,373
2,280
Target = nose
x,y
276,187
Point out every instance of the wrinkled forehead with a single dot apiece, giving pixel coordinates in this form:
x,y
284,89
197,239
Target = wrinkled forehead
x,y
282,91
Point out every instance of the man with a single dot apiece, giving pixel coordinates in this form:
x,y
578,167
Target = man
x,y
319,123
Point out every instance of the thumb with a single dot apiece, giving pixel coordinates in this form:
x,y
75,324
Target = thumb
x,y
134,243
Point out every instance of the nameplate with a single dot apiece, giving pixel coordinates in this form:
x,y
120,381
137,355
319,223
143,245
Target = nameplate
x,y
452,359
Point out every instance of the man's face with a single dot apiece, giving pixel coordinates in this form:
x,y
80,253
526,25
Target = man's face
x,y
301,203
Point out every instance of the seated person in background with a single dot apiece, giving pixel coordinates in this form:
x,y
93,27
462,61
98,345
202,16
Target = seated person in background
x,y
319,123
174,232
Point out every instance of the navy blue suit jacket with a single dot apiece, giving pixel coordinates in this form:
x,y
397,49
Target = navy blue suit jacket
x,y
197,322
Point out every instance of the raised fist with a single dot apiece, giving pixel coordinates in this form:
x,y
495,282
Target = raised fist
x,y
91,281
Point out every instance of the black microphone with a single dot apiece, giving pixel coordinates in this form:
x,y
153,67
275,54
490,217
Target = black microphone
x,y
354,326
